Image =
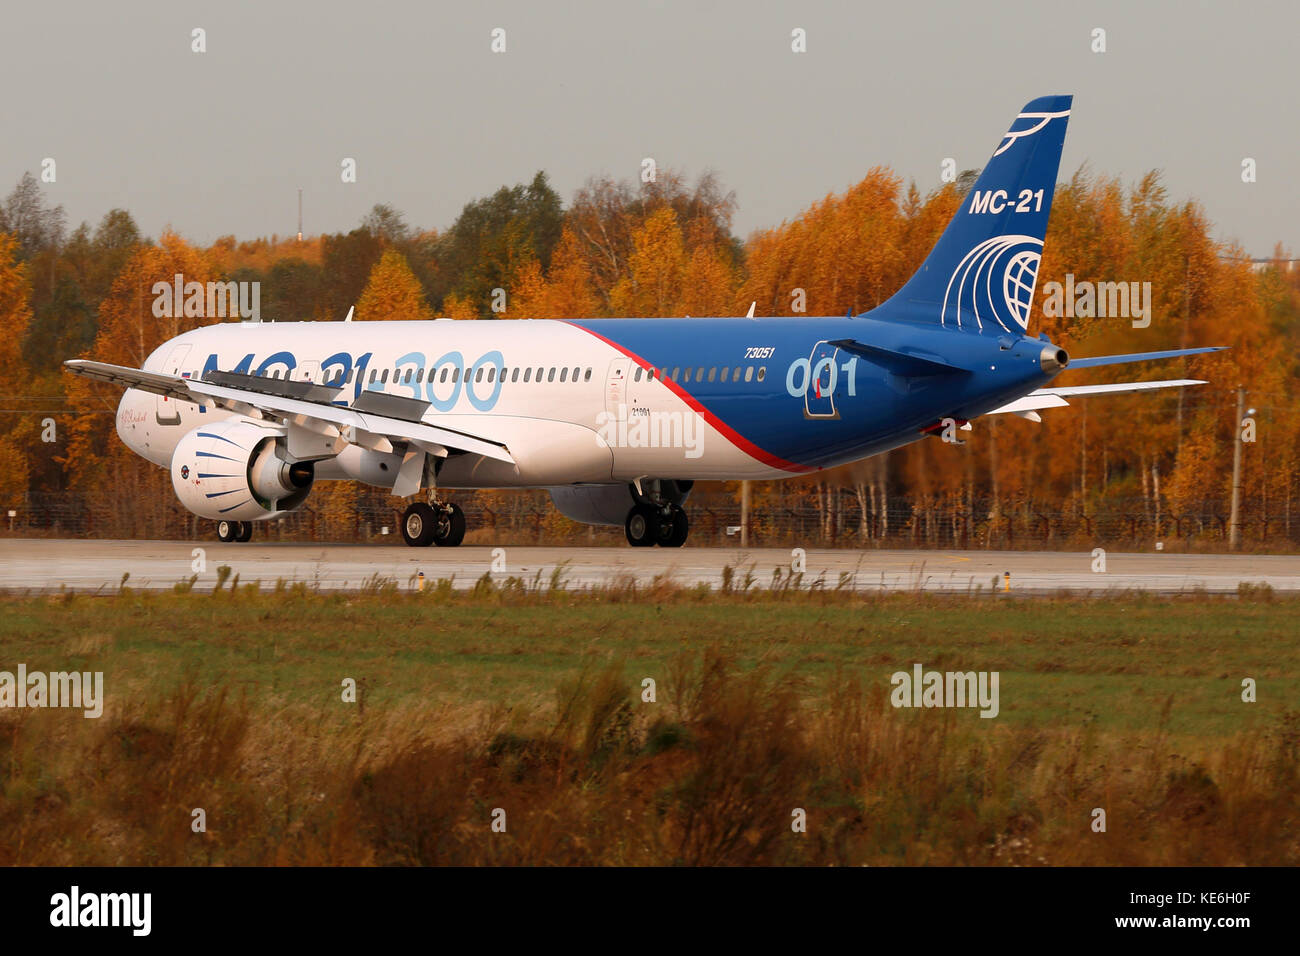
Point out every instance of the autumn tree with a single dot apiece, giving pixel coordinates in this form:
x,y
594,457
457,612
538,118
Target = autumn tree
x,y
123,490
492,239
606,215
652,283
15,433
564,292
393,292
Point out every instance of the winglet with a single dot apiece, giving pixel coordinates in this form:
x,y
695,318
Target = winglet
x,y
348,317
750,313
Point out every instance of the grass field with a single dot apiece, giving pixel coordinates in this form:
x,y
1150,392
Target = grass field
x,y
531,701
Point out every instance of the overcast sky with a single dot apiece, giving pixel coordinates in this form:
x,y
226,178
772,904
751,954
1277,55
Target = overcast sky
x,y
219,142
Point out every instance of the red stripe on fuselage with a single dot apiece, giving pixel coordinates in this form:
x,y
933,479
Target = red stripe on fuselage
x,y
733,436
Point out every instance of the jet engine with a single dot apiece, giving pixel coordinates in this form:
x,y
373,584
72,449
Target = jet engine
x,y
238,471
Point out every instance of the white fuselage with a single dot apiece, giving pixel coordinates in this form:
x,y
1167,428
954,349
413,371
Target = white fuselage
x,y
594,416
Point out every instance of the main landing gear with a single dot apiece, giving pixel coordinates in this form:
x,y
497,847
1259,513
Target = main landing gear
x,y
228,531
650,524
441,524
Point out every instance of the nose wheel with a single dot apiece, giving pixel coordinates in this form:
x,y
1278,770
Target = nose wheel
x,y
229,531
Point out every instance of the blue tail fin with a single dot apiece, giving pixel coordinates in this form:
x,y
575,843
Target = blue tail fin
x,y
980,276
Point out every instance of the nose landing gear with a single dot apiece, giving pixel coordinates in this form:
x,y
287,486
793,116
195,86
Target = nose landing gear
x,y
229,531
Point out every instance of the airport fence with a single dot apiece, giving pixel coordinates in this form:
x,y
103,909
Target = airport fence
x,y
831,520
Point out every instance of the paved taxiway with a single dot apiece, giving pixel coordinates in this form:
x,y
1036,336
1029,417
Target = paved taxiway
x,y
28,564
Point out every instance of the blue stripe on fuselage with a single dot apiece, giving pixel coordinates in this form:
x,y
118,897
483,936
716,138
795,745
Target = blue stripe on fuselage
x,y
886,410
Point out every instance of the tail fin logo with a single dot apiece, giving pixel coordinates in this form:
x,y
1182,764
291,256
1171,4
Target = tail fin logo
x,y
1034,121
995,282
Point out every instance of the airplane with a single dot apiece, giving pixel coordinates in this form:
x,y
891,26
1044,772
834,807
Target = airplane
x,y
616,418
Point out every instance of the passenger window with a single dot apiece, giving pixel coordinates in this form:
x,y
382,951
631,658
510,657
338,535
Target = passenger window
x,y
455,374
713,373
575,374
539,374
735,374
564,374
478,376
374,375
749,373
443,376
528,373
676,371
514,374
636,376
550,376
699,374
762,373
492,373
587,377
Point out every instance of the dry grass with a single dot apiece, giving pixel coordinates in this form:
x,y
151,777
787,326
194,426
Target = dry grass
x,y
709,774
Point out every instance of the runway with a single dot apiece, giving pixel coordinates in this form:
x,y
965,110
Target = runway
x,y
45,565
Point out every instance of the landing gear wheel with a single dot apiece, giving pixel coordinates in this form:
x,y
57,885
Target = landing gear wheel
x,y
227,531
451,527
419,524
641,526
245,531
673,532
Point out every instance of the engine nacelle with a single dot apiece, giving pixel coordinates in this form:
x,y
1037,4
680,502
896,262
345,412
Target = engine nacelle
x,y
238,471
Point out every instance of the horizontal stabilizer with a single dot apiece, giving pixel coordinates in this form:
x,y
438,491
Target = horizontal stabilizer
x,y
1139,357
1117,387
900,363
1055,397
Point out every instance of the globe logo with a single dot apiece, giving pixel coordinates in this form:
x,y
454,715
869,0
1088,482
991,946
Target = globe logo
x,y
1018,285
185,471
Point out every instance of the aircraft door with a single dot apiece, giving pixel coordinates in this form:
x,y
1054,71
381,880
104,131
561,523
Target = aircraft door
x,y
819,397
616,389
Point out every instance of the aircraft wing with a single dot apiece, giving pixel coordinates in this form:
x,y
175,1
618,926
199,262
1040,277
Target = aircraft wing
x,y
172,386
375,420
1055,397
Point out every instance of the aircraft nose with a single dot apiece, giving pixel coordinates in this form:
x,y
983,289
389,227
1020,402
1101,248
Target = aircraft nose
x,y
1053,359
131,418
